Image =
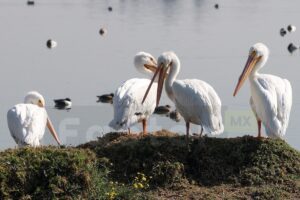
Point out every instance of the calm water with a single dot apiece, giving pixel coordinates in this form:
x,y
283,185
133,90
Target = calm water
x,y
211,44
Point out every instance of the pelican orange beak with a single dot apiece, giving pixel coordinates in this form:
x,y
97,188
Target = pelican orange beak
x,y
41,104
152,67
162,71
49,123
250,64
52,131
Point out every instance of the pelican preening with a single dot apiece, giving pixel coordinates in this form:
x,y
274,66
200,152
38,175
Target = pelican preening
x,y
271,96
27,121
127,100
195,100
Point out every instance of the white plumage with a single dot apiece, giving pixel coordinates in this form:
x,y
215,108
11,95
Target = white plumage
x,y
196,101
271,96
128,109
127,100
27,121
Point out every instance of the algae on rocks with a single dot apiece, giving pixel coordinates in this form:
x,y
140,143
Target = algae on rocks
x,y
52,173
121,166
208,161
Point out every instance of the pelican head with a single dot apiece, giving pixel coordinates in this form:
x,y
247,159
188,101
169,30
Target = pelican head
x,y
261,51
165,61
258,56
35,98
145,63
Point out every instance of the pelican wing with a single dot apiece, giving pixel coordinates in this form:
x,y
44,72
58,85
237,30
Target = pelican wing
x,y
253,108
198,103
27,123
127,103
275,97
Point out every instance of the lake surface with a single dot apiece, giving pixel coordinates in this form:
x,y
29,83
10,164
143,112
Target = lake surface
x,y
212,45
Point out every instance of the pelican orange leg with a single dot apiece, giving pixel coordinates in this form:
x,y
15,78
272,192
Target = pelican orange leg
x,y
144,122
259,128
187,124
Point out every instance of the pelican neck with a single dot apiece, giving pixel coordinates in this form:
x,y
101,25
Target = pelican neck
x,y
174,70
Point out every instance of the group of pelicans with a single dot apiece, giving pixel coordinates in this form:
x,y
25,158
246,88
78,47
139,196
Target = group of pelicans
x,y
196,101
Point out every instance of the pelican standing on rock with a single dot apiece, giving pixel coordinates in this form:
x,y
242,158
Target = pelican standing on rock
x,y
271,96
196,101
127,100
27,121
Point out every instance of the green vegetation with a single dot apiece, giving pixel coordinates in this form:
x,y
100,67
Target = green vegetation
x,y
52,173
120,166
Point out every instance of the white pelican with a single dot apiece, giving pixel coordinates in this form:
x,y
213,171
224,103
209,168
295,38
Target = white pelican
x,y
196,101
271,96
27,121
127,100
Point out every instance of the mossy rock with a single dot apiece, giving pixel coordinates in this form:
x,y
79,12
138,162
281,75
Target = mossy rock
x,y
167,173
244,160
208,161
151,155
46,173
210,168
